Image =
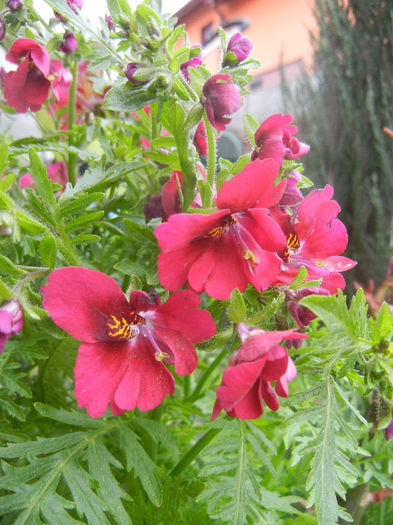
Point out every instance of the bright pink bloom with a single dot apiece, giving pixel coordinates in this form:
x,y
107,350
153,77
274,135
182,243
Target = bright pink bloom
x,y
61,83
240,46
222,99
274,138
246,382
28,86
11,321
57,173
124,343
229,248
315,238
200,139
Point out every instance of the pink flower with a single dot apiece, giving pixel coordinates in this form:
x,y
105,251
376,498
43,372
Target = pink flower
x,y
57,173
200,139
314,239
76,5
61,83
274,138
124,343
240,46
222,99
28,86
11,321
109,21
231,247
246,382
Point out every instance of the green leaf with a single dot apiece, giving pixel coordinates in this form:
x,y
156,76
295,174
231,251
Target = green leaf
x,y
3,162
194,116
48,249
383,325
250,126
7,181
5,201
124,97
7,267
84,220
237,307
143,467
43,184
5,291
28,224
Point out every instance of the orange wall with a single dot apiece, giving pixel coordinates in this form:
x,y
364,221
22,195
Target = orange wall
x,y
279,29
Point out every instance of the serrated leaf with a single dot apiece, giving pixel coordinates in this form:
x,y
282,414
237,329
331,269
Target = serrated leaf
x,y
42,183
28,224
84,220
5,291
123,97
48,249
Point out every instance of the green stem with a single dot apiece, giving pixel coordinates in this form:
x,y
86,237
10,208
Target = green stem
x,y
30,277
211,165
186,387
189,456
71,120
205,376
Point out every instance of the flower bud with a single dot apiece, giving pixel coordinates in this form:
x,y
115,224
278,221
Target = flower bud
x,y
14,5
69,43
238,50
132,67
11,321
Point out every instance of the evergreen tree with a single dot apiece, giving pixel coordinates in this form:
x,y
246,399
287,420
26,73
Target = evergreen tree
x,y
342,109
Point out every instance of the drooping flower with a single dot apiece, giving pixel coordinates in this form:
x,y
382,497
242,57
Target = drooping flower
x,y
221,100
57,173
11,321
231,247
315,238
246,382
69,43
28,86
274,139
124,343
238,49
61,83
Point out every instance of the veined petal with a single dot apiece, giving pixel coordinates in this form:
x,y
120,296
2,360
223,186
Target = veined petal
x,y
98,370
81,301
146,381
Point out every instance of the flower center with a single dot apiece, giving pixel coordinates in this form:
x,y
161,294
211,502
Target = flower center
x,y
293,244
217,231
123,328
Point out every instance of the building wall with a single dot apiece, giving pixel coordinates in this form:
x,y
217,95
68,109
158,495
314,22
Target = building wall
x,y
278,29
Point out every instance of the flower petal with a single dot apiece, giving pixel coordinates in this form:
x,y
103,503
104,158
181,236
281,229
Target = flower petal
x,y
81,301
146,381
98,371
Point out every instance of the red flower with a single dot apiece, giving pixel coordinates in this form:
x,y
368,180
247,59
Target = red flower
x,y
274,138
124,342
194,61
28,86
246,382
315,238
11,321
231,247
222,99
